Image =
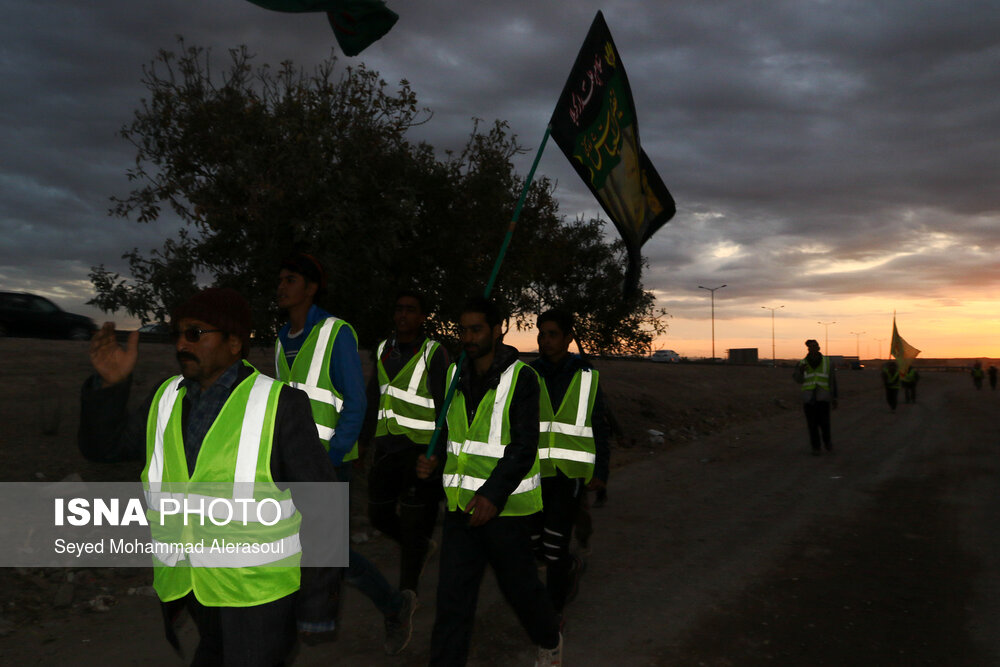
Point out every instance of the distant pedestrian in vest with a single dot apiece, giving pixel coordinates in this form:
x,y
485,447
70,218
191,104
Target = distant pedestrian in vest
x,y
493,487
909,380
977,374
405,396
819,394
573,450
200,426
891,382
992,373
318,353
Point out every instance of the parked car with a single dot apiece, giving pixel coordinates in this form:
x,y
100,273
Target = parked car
x,y
154,332
23,314
665,355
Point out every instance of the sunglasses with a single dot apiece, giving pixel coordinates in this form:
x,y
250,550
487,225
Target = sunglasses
x,y
192,334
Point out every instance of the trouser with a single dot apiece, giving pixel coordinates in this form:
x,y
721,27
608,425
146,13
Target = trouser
x,y
504,543
909,393
404,507
818,422
319,596
553,527
258,636
892,396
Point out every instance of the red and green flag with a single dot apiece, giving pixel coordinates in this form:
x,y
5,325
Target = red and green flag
x,y
595,125
356,23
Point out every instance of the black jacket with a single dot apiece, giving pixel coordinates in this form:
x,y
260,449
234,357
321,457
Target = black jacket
x,y
109,432
519,455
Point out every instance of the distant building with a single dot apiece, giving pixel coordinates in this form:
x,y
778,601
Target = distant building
x,y
743,355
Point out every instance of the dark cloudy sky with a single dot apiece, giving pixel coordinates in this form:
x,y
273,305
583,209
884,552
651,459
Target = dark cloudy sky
x,y
839,158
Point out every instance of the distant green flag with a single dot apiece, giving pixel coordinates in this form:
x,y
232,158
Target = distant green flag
x,y
903,352
595,125
356,23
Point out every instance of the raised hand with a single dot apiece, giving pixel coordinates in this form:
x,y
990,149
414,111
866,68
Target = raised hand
x,y
113,362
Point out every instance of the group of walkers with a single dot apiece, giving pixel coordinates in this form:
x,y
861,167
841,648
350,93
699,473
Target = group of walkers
x,y
519,447
818,379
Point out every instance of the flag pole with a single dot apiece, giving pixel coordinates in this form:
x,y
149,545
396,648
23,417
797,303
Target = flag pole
x,y
442,415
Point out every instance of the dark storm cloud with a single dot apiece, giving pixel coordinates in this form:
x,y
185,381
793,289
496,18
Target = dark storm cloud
x,y
828,148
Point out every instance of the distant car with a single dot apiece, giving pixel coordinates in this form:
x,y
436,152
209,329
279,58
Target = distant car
x,y
23,314
665,355
857,366
154,332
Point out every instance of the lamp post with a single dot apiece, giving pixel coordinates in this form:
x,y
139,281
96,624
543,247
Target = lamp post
x,y
880,341
773,361
857,343
826,343
712,290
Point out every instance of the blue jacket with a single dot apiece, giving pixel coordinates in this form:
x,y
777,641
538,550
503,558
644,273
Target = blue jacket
x,y
346,375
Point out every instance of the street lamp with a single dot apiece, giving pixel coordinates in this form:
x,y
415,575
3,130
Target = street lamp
x,y
880,341
826,344
773,362
857,343
712,290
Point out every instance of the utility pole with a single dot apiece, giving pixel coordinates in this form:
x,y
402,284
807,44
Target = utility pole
x,y
857,343
826,344
712,290
773,361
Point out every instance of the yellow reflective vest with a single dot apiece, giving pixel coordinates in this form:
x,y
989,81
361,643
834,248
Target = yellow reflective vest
x,y
566,435
247,551
405,404
310,372
474,449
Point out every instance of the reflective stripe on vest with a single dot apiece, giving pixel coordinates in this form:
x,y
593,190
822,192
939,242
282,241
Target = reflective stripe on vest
x,y
406,406
816,377
474,450
232,472
310,373
566,436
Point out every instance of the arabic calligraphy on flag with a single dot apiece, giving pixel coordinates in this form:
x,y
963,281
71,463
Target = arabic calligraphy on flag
x,y
595,125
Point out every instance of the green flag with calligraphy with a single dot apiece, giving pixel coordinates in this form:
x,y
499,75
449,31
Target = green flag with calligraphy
x,y
595,125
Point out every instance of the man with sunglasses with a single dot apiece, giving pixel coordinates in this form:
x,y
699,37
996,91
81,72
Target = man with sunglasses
x,y
242,619
405,395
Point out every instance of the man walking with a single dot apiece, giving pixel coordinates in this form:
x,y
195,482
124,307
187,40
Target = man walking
x,y
318,353
492,485
909,381
819,394
891,382
406,394
205,425
573,450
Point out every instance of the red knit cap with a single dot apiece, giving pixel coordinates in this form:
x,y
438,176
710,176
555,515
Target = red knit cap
x,y
223,308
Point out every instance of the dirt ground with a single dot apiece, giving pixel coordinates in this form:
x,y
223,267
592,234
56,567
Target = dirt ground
x,y
722,544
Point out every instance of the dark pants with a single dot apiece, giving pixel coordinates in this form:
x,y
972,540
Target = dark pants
x,y
909,392
505,544
404,507
818,423
319,596
258,636
553,527
892,396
